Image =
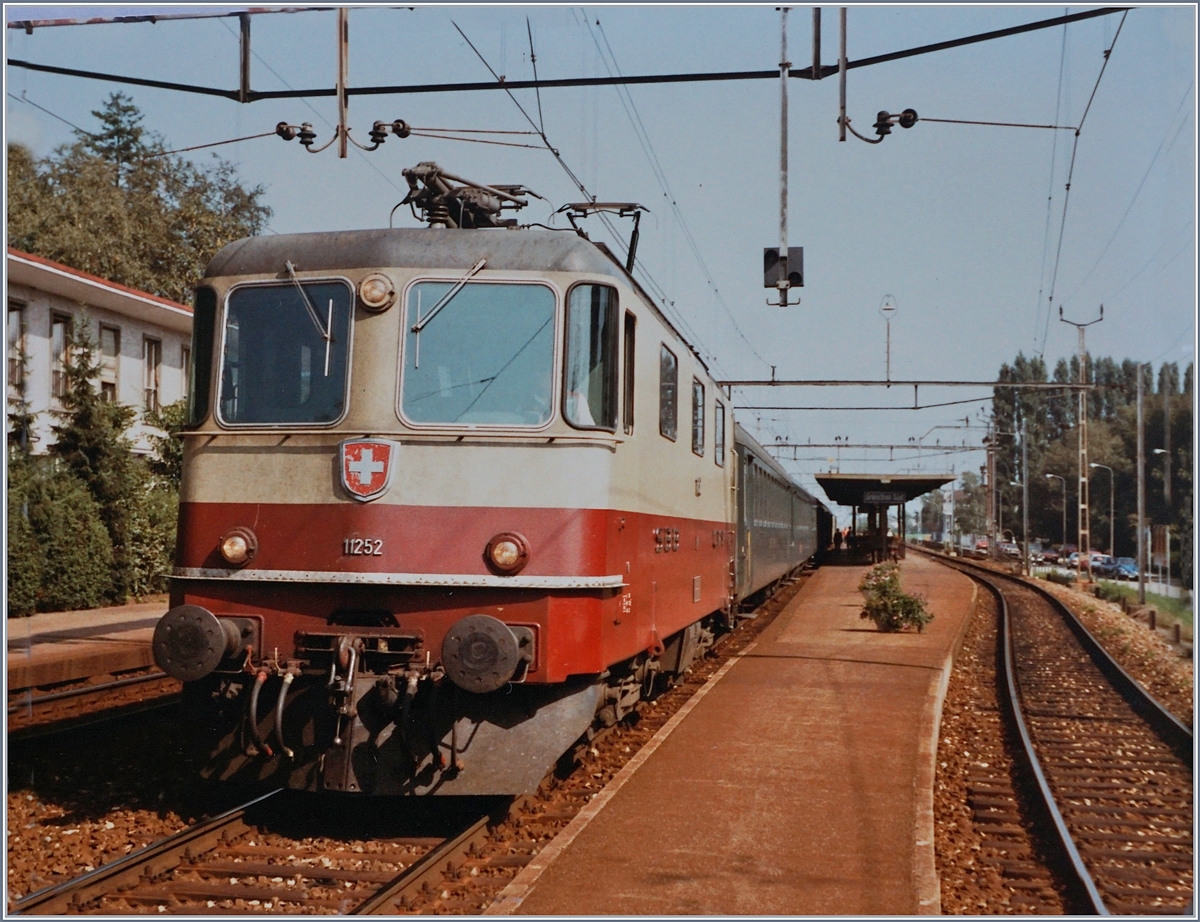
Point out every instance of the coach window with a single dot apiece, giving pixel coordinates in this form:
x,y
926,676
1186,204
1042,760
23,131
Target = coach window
x,y
668,393
483,356
697,417
590,395
286,354
719,434
199,370
630,337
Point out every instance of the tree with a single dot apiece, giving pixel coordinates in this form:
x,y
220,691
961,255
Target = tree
x,y
90,440
970,506
117,205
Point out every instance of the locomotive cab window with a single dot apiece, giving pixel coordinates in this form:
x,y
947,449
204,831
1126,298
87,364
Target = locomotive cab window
x,y
286,354
199,369
697,417
590,395
668,393
483,356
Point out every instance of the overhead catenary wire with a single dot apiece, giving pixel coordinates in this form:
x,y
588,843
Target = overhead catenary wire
x,y
310,106
660,175
1070,174
1138,191
1062,61
685,329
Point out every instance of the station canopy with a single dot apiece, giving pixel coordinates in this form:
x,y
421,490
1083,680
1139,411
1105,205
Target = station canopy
x,y
879,489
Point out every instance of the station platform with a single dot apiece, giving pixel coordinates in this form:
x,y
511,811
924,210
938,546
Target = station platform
x,y
65,646
801,784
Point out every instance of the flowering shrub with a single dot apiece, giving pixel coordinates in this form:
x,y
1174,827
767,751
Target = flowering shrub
x,y
887,605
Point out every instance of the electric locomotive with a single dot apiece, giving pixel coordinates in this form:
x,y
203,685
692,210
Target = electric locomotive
x,y
453,497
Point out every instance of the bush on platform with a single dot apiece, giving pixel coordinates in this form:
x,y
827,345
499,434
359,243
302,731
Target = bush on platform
x,y
888,605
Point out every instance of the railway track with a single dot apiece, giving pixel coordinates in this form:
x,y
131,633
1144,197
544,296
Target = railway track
x,y
265,856
35,716
224,864
1113,766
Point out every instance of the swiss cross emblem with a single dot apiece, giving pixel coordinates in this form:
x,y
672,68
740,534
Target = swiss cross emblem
x,y
367,467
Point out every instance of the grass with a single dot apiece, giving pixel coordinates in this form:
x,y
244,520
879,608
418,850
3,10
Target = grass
x,y
1173,609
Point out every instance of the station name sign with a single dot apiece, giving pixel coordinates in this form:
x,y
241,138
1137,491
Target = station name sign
x,y
884,497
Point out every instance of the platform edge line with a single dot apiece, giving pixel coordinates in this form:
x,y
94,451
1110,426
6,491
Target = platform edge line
x,y
925,875
512,896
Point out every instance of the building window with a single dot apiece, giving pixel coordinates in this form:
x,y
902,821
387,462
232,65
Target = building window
x,y
110,357
60,344
630,337
668,393
16,345
719,434
185,366
697,417
152,369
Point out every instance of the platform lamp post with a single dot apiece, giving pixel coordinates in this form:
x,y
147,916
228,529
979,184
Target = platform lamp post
x,y
1064,483
1112,547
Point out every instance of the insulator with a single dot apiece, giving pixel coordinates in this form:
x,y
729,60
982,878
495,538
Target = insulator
x,y
286,131
883,123
306,134
379,132
400,128
439,214
908,118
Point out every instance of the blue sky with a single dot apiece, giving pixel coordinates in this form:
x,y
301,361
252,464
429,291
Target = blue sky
x,y
959,223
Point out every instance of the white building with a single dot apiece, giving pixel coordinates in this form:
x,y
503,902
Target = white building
x,y
144,341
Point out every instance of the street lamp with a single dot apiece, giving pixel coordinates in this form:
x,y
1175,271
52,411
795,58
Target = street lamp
x,y
1112,547
1064,483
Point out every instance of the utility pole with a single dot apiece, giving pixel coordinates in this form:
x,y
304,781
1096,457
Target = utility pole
x,y
784,66
1168,385
343,78
1141,493
1024,498
1085,527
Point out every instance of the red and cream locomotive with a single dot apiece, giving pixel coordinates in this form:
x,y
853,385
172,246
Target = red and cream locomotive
x,y
452,496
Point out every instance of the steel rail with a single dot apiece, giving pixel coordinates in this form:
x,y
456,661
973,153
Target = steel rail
x,y
1083,879
431,865
1169,728
93,719
81,691
155,858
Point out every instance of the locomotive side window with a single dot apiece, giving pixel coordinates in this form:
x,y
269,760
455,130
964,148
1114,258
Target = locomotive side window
x,y
630,337
719,434
199,370
697,417
286,354
483,357
668,393
590,397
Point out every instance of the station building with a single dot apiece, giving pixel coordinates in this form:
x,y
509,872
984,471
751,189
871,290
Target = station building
x,y
143,342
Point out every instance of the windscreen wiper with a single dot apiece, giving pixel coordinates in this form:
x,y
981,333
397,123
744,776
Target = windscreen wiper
x,y
448,296
325,330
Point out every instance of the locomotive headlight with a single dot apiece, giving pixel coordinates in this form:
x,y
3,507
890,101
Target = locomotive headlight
x,y
239,546
507,553
377,292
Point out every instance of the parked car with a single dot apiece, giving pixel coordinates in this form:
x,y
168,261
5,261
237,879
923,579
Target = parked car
x,y
1104,566
981,544
1126,568
1048,555
1009,549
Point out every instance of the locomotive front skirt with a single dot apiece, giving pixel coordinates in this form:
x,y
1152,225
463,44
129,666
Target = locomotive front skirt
x,y
451,500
